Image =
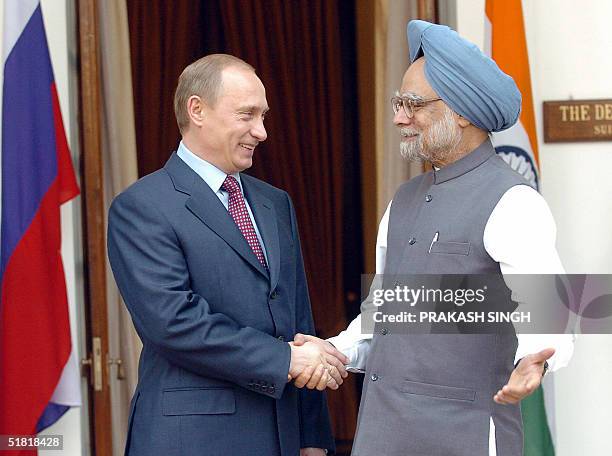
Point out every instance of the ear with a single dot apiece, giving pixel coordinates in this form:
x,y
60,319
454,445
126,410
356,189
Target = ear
x,y
195,110
463,122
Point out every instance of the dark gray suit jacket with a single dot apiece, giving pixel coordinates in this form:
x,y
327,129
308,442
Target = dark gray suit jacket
x,y
214,323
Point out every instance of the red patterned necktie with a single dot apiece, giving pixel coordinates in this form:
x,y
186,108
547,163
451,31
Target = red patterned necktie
x,y
238,210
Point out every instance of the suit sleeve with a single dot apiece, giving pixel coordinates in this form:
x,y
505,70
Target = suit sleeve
x,y
152,275
315,424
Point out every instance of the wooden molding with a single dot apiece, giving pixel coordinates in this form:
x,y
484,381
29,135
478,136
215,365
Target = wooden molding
x,y
366,85
93,220
426,10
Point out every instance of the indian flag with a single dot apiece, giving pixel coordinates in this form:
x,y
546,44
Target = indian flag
x,y
505,42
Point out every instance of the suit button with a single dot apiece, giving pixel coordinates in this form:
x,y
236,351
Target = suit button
x,y
384,331
428,198
374,377
274,294
412,241
271,389
281,338
264,388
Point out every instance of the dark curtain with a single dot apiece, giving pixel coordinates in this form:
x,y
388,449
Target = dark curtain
x,y
164,38
304,52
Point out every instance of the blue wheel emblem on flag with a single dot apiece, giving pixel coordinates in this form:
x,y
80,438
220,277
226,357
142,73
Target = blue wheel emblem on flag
x,y
521,162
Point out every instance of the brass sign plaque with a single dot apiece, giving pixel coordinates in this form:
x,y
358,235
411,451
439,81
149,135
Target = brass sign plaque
x,y
577,120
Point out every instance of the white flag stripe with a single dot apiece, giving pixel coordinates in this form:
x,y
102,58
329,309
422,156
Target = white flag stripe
x,y
16,16
68,390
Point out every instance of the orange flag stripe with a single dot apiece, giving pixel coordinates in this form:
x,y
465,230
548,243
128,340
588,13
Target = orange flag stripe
x,y
509,50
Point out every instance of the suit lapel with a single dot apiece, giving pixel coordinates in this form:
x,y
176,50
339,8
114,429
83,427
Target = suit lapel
x,y
207,207
265,217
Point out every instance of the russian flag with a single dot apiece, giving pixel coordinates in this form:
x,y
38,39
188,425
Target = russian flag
x,y
37,177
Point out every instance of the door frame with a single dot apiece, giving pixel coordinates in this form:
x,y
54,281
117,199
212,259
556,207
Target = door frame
x,y
96,366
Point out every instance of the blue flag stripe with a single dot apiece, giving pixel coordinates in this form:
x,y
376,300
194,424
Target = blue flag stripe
x,y
29,163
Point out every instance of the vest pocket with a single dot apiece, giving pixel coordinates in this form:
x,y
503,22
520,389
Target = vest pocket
x,y
441,391
198,401
455,248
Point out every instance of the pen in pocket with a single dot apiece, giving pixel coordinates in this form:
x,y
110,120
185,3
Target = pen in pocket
x,y
434,240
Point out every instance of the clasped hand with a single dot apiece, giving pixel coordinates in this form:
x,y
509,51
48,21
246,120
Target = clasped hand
x,y
315,363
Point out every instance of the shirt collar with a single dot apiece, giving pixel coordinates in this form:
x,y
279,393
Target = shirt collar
x,y
212,175
465,164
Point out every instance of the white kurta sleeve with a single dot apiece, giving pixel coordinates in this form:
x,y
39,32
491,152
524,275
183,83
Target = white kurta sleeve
x,y
353,342
520,234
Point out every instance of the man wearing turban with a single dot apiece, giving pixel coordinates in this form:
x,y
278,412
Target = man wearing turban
x,y
453,394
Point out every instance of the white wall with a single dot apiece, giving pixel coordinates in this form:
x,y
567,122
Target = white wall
x,y
73,425
570,44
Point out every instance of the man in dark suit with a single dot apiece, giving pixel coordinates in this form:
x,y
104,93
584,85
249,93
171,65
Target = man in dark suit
x,y
209,264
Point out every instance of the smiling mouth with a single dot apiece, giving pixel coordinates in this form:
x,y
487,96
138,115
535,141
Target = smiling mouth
x,y
406,133
250,147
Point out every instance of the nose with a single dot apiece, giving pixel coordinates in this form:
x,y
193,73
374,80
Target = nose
x,y
400,118
259,131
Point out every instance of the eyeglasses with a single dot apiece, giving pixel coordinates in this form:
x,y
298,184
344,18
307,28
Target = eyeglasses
x,y
410,104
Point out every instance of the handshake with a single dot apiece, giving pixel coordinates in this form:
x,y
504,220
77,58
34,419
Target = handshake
x,y
315,363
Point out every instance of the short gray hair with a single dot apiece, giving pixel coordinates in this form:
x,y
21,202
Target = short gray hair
x,y
204,79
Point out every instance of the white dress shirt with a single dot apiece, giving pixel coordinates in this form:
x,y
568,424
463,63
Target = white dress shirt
x,y
214,177
520,235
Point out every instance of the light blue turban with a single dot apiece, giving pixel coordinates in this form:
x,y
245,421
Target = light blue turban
x,y
467,80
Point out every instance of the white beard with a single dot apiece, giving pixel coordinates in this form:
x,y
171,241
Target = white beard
x,y
439,141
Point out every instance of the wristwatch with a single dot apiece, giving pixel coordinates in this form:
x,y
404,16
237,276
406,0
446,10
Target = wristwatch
x,y
545,368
